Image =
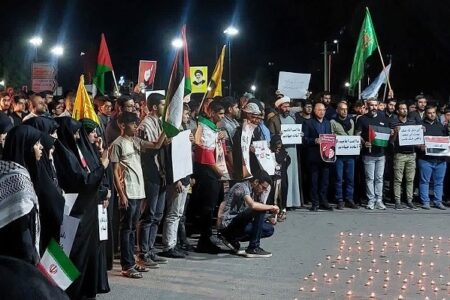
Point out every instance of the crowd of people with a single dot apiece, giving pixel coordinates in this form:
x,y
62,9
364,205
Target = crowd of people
x,y
124,163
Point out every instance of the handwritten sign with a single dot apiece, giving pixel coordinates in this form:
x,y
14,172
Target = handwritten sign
x,y
291,134
102,223
437,145
181,155
410,135
294,85
265,156
348,145
68,230
221,162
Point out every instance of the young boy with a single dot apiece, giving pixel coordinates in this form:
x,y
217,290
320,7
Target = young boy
x,y
129,182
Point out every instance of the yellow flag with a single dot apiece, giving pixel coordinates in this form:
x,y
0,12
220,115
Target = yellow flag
x,y
215,85
83,107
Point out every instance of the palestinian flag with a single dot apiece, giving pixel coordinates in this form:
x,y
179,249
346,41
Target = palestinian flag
x,y
57,267
178,91
103,65
379,136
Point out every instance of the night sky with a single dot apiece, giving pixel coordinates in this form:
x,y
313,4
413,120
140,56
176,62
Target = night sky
x,y
287,34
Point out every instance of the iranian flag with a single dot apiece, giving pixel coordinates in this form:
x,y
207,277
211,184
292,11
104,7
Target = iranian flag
x,y
104,65
178,91
379,136
57,267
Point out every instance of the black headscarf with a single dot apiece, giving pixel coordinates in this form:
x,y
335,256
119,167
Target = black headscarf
x,y
66,130
19,148
44,124
88,150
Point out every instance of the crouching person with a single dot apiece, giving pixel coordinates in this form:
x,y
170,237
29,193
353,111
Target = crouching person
x,y
241,216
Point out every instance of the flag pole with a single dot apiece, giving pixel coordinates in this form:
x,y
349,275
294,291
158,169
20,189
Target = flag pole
x,y
359,89
384,67
115,82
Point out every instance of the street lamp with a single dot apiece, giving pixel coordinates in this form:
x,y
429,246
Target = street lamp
x,y
57,50
253,88
36,41
347,84
231,31
2,82
177,43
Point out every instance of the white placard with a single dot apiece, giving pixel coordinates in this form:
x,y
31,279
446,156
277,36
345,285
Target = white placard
x,y
68,231
291,134
437,145
265,156
410,135
246,139
70,201
348,145
102,223
294,85
181,155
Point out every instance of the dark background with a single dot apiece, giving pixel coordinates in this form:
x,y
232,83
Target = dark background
x,y
274,36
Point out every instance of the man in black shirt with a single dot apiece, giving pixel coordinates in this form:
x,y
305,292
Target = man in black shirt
x,y
373,156
404,159
432,166
419,114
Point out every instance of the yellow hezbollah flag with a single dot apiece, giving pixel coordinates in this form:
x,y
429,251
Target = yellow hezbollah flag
x,y
215,85
83,108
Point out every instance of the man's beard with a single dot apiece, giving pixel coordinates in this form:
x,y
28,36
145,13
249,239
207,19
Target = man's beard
x,y
285,113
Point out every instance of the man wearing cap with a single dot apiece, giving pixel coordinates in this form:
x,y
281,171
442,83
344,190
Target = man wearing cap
x,y
283,117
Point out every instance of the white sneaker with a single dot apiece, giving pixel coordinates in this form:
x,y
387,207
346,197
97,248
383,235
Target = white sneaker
x,y
380,205
371,205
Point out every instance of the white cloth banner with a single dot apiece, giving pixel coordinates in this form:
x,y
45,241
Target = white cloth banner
x,y
102,223
181,155
294,85
68,230
291,134
265,156
348,145
437,145
246,138
410,135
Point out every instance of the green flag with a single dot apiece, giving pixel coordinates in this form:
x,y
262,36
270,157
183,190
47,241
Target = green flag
x,y
367,44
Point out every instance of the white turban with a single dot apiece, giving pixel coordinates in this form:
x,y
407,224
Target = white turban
x,y
282,100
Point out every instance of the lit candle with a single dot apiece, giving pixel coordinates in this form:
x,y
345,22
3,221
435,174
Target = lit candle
x,y
341,234
374,261
420,264
385,285
424,274
404,287
302,289
359,259
403,236
359,269
386,272
328,280
349,281
436,289
328,257
336,276
399,272
431,264
313,289
392,235
399,262
325,275
372,295
387,279
349,293
315,279
413,236
411,273
422,288
370,234
367,283
319,264
333,266
377,271
405,280
400,297
350,234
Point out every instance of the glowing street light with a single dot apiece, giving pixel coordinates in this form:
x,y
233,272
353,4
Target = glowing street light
x,y
253,88
347,84
57,50
2,82
231,30
36,41
177,43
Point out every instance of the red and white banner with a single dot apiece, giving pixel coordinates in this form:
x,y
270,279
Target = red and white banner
x,y
147,72
437,145
40,85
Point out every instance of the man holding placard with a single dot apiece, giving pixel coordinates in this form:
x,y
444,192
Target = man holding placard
x,y
431,166
404,156
320,170
343,125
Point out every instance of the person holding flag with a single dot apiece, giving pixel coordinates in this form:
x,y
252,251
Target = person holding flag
x,y
375,133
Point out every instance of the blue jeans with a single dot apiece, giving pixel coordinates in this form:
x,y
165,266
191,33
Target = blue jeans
x,y
152,210
128,219
345,171
374,171
428,170
248,226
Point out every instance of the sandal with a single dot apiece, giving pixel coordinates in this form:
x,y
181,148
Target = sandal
x,y
282,216
132,273
272,219
141,269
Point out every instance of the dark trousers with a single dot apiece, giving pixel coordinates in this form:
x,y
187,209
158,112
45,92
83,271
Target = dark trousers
x,y
152,211
248,226
128,220
208,195
320,172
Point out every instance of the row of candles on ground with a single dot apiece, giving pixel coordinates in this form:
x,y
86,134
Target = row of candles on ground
x,y
421,282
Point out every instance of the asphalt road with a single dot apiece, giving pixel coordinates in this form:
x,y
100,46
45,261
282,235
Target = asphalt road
x,y
310,242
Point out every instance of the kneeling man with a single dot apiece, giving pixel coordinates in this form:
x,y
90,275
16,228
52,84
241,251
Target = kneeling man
x,y
241,215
